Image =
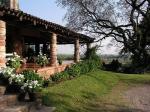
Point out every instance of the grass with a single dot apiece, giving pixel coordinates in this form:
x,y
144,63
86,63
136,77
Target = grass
x,y
98,91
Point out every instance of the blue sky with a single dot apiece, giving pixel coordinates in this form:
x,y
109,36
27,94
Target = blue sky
x,y
45,9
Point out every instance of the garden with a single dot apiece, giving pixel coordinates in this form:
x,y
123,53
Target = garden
x,y
29,82
82,87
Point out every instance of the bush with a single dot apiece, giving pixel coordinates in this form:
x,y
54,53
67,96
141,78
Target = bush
x,y
112,66
74,70
6,72
60,76
33,82
84,67
15,61
42,60
91,62
47,82
31,75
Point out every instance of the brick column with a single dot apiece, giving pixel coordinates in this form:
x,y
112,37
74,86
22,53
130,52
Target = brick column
x,y
53,50
77,51
2,43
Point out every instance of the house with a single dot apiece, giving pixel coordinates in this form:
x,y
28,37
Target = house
x,y
26,34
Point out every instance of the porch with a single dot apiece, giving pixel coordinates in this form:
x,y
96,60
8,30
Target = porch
x,y
28,35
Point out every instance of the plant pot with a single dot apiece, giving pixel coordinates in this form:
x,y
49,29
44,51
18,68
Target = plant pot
x,y
34,96
4,81
13,88
21,96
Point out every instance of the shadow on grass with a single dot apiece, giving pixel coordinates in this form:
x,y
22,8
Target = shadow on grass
x,y
57,100
135,79
90,105
106,107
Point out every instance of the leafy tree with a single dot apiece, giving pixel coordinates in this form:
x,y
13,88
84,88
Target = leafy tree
x,y
127,21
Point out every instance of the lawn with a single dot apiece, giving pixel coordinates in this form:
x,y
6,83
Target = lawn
x,y
97,91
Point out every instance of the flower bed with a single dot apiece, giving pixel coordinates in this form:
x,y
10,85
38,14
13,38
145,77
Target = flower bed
x,y
26,82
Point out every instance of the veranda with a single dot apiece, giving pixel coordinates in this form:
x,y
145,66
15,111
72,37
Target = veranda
x,y
28,35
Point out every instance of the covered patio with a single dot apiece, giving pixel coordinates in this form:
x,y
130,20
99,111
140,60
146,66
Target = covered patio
x,y
28,35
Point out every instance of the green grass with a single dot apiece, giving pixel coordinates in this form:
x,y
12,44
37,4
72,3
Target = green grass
x,y
91,92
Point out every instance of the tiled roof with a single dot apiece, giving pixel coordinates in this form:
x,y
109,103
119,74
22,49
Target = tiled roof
x,y
6,14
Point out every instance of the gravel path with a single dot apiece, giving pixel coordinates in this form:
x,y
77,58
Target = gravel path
x,y
139,98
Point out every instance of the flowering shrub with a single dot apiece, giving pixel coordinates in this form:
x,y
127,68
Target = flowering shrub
x,y
33,82
6,72
42,60
31,86
15,61
16,78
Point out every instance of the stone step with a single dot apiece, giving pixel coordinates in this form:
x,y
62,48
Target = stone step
x,y
23,108
2,90
8,100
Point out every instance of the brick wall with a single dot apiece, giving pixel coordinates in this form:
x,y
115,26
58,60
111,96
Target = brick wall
x,y
48,71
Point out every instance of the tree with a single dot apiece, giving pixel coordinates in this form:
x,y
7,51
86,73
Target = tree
x,y
127,21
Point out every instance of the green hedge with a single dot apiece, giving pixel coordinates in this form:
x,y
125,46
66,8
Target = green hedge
x,y
91,62
76,70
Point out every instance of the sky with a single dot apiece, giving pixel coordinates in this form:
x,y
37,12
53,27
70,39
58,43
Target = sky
x,y
49,10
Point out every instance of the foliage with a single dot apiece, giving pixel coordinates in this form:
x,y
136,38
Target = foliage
x,y
31,75
33,82
6,72
112,66
31,86
16,79
74,70
47,82
42,60
126,22
91,62
14,61
91,54
29,80
60,76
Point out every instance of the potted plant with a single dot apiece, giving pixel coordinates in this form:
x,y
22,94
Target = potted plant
x,y
32,85
15,82
14,62
42,60
5,74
